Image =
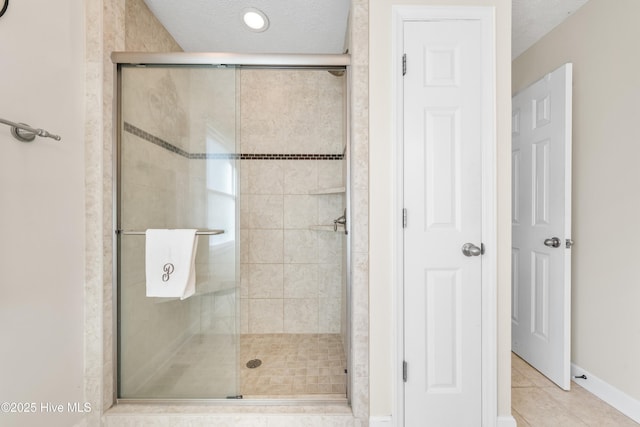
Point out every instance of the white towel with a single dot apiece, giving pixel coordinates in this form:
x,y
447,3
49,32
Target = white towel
x,y
170,263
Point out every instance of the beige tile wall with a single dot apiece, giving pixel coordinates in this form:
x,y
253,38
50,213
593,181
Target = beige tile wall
x,y
291,275
287,267
291,111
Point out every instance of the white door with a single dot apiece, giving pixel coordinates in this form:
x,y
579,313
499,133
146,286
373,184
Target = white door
x,y
541,221
443,201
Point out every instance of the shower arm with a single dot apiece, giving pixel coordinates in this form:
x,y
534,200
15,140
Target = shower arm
x,y
26,133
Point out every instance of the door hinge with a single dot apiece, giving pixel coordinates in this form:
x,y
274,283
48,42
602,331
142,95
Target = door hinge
x,y
404,64
404,218
404,371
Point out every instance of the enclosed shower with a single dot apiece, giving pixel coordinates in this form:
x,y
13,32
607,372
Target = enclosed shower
x,y
254,155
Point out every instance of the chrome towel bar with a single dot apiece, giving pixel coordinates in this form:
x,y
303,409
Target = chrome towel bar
x,y
142,233
26,133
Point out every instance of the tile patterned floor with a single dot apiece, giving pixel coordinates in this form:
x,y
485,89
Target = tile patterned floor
x,y
293,366
537,402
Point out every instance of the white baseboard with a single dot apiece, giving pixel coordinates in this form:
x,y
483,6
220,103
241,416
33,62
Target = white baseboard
x,y
506,421
385,421
608,393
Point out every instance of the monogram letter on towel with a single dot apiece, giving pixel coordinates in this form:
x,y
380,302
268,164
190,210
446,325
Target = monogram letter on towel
x,y
170,263
168,270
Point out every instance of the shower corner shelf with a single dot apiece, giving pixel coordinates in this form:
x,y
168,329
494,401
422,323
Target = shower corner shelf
x,y
333,190
322,228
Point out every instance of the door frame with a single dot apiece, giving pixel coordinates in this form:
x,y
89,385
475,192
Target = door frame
x,y
486,16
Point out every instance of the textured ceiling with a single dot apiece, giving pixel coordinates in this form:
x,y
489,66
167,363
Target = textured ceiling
x,y
299,26
532,19
313,26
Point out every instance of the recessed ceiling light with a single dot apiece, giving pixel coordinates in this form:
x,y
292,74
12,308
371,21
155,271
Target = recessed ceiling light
x,y
255,19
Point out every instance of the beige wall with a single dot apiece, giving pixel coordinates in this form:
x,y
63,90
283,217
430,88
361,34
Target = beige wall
x,y
42,210
382,198
601,40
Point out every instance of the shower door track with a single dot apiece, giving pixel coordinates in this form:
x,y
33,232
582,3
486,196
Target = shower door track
x,y
242,61
235,59
235,402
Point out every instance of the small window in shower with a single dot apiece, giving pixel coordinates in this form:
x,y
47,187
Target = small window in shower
x,y
221,190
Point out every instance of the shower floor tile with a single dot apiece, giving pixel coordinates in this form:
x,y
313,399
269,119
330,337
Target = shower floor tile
x,y
293,366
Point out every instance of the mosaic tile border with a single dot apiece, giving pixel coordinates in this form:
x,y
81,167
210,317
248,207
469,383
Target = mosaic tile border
x,y
128,127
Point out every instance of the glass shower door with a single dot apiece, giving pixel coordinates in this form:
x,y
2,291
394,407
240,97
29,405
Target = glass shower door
x,y
178,169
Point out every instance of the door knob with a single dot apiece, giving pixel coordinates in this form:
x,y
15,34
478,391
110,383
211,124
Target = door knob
x,y
553,242
469,249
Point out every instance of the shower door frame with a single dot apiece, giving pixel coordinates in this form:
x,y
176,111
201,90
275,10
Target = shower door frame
x,y
239,61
